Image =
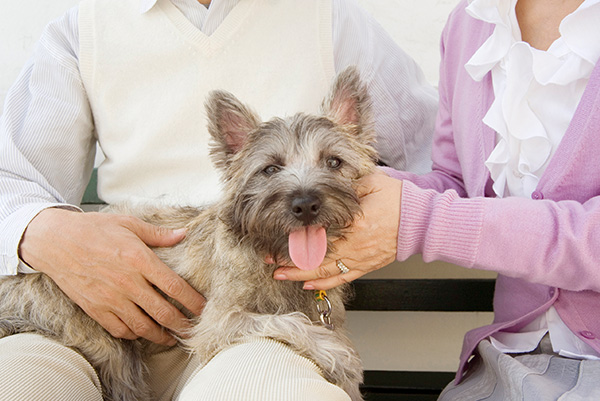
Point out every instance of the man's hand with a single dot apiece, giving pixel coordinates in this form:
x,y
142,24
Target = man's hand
x,y
104,264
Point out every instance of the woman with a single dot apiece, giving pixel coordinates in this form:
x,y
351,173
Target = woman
x,y
514,189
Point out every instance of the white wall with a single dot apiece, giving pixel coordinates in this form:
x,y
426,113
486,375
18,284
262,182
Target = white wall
x,y
415,25
21,24
410,341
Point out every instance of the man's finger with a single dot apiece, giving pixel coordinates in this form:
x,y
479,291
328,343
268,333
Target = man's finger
x,y
162,311
114,325
174,286
154,235
143,326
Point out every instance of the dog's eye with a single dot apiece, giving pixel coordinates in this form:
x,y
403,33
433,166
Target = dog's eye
x,y
272,169
334,163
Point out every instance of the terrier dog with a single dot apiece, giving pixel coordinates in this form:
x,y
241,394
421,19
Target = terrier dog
x,y
289,191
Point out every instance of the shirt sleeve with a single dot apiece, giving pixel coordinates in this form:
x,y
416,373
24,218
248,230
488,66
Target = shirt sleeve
x,y
47,141
404,103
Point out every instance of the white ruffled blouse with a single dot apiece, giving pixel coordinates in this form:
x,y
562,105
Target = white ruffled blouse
x,y
536,91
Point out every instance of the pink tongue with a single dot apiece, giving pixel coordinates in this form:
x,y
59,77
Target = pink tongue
x,y
308,247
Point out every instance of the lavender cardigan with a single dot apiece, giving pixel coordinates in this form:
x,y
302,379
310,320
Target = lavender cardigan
x,y
545,249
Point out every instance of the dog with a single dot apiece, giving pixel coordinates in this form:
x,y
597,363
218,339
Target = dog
x,y
289,191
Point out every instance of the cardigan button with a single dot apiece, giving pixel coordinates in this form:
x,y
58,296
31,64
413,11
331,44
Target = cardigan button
x,y
537,195
587,334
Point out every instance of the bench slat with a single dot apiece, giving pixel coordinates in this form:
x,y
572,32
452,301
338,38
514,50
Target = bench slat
x,y
432,295
382,385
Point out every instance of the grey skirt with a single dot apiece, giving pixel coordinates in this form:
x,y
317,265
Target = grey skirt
x,y
537,376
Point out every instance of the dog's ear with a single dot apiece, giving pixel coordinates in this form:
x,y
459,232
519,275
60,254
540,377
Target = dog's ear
x,y
229,122
349,103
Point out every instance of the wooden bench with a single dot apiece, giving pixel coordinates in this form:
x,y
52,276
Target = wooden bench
x,y
420,295
423,295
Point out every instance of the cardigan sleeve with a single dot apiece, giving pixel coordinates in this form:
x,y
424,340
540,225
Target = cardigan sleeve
x,y
540,241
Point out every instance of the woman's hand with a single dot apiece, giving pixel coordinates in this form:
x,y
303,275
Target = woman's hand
x,y
104,264
370,245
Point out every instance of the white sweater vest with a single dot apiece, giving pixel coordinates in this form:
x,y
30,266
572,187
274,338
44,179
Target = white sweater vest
x,y
147,76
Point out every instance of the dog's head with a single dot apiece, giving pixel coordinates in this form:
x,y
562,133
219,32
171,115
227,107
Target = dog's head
x,y
290,183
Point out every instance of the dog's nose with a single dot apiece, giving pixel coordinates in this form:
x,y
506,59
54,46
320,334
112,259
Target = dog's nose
x,y
306,207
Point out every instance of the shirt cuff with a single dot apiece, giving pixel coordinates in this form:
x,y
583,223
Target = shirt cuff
x,y
13,228
440,226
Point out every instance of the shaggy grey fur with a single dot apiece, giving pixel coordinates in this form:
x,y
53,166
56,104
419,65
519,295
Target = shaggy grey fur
x,y
266,166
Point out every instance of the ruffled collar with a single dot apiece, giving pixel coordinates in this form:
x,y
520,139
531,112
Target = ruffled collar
x,y
520,74
579,35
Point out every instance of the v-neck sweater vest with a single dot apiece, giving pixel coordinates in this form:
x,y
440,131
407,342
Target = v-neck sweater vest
x,y
147,76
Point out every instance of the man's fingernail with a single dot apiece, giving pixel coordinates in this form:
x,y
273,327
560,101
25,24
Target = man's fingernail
x,y
280,276
308,287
